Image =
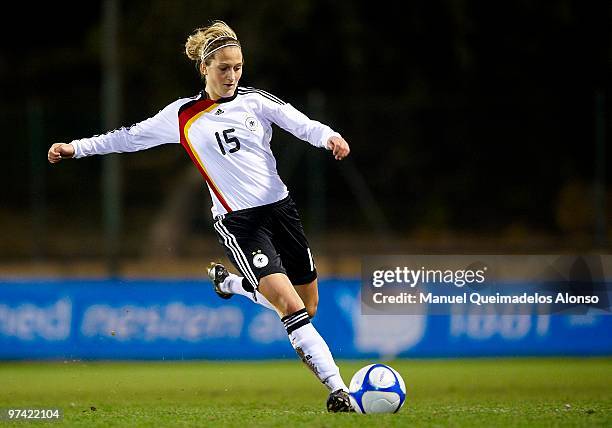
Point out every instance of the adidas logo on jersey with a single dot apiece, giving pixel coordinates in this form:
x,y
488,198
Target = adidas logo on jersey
x,y
218,112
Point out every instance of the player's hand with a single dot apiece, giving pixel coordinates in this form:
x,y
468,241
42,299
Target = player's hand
x,y
339,147
59,151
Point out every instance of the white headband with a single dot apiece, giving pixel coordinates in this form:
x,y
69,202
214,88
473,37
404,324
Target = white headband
x,y
216,49
222,46
218,38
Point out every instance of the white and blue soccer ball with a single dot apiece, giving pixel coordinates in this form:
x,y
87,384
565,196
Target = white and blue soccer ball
x,y
377,388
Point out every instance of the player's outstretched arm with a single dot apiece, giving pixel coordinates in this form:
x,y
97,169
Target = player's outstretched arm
x,y
59,151
339,147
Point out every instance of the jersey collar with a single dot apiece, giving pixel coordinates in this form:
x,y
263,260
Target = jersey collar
x,y
204,96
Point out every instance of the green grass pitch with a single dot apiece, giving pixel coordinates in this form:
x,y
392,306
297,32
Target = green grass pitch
x,y
474,392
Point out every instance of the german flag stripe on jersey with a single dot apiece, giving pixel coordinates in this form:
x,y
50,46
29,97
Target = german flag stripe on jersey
x,y
188,114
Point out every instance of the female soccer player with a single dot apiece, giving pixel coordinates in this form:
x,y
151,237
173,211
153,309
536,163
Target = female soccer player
x,y
226,131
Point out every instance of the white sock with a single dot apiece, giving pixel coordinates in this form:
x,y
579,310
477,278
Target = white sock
x,y
313,350
233,285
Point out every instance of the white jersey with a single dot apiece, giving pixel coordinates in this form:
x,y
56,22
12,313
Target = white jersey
x,y
227,139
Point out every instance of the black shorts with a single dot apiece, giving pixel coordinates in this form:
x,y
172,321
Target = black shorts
x,y
268,239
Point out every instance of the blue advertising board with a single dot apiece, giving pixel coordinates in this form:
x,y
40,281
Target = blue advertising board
x,y
184,319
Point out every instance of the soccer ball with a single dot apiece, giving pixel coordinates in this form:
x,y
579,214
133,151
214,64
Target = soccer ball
x,y
377,388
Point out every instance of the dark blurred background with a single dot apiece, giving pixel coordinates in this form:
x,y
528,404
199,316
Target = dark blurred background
x,y
475,127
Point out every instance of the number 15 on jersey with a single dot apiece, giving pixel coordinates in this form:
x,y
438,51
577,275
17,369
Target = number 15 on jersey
x,y
232,142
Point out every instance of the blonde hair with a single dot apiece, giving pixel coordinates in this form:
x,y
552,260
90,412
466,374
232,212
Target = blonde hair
x,y
204,41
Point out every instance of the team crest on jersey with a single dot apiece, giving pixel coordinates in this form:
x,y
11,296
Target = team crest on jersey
x,y
251,123
259,260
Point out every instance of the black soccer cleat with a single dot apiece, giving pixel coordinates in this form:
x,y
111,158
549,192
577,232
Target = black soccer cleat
x,y
339,402
217,274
